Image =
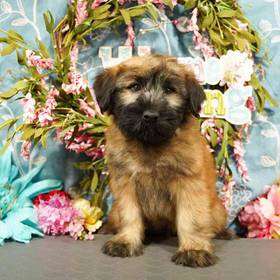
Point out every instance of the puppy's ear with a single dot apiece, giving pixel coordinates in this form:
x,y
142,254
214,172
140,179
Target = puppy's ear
x,y
104,87
196,95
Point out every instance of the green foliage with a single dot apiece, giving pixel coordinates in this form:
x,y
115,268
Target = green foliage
x,y
222,20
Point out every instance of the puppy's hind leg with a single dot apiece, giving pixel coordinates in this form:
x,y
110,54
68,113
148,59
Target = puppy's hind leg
x,y
219,222
128,241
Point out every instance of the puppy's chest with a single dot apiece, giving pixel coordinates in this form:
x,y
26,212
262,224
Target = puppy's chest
x,y
154,195
152,181
152,177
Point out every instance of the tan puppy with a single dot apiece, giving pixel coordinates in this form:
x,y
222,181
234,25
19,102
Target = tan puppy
x,y
162,174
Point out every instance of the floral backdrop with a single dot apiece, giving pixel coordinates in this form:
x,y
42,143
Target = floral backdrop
x,y
254,161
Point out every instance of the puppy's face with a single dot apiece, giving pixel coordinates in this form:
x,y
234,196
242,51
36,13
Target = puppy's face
x,y
150,97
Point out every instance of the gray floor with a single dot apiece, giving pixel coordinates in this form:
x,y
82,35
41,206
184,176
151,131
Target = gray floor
x,y
62,258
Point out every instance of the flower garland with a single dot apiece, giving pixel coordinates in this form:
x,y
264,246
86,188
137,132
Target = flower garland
x,y
57,97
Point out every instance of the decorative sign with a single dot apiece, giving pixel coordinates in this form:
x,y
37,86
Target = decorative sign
x,y
124,53
230,105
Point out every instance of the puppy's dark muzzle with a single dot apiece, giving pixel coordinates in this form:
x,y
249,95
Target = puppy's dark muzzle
x,y
150,116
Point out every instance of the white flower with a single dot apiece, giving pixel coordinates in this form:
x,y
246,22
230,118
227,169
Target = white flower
x,y
5,7
237,68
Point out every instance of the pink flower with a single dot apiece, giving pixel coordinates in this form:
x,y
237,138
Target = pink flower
x,y
209,124
77,83
201,43
45,114
84,107
28,104
239,151
250,103
95,153
55,212
262,216
274,196
82,143
89,236
37,61
131,36
76,228
45,117
74,57
252,217
81,11
78,148
25,150
97,3
227,192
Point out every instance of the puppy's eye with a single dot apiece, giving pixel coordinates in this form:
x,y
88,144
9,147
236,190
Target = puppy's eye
x,y
135,87
169,90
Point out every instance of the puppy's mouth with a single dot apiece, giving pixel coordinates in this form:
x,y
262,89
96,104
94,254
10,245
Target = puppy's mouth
x,y
152,130
152,133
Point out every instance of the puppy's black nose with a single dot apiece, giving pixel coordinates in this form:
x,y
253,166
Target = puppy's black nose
x,y
150,116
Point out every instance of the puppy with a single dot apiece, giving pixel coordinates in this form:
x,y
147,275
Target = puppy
x,y
162,174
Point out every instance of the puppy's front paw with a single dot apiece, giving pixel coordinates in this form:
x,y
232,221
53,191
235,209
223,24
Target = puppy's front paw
x,y
121,249
194,258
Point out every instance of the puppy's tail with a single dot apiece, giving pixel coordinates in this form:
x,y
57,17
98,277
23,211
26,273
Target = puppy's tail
x,y
226,234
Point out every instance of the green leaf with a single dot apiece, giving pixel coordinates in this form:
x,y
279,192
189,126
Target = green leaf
x,y
152,11
94,181
247,35
107,120
8,143
213,135
104,15
86,165
215,37
38,132
97,199
126,16
49,21
14,36
20,127
21,84
223,154
8,50
9,93
242,44
227,14
189,4
207,21
137,11
270,99
44,139
9,122
169,4
43,49
97,129
100,10
20,58
4,40
28,133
